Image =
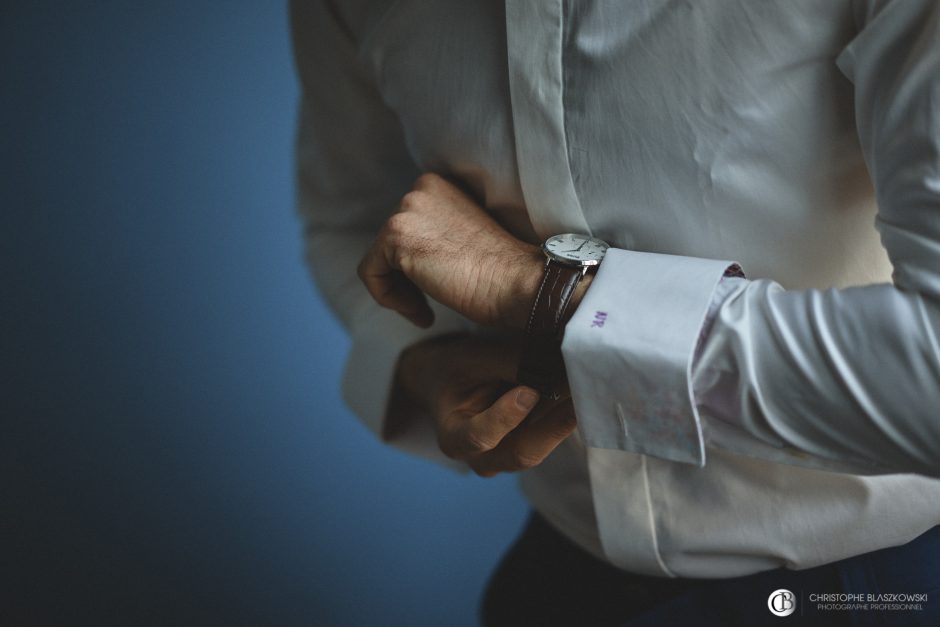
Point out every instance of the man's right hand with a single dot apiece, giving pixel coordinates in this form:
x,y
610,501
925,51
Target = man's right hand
x,y
480,415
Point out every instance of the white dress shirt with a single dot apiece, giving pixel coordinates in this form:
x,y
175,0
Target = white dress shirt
x,y
726,426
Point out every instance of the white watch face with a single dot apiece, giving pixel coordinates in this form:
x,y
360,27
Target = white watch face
x,y
576,250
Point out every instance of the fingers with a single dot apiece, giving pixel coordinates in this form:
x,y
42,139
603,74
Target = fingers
x,y
466,435
508,436
527,446
493,358
402,296
431,183
390,287
440,243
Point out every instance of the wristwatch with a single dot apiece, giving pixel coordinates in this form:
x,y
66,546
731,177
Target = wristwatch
x,y
568,257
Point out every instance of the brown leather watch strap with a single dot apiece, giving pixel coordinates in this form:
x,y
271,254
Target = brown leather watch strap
x,y
541,365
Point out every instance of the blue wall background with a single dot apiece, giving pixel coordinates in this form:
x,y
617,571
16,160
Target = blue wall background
x,y
173,449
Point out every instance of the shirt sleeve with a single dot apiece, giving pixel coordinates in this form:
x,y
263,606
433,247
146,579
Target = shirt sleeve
x,y
352,169
844,379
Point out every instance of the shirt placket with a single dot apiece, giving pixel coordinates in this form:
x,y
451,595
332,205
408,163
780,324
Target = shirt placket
x,y
535,33
535,36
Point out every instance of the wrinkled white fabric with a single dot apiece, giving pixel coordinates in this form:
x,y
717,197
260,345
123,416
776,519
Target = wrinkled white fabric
x,y
688,135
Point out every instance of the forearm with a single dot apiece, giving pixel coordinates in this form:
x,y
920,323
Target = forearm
x,y
845,379
847,375
526,279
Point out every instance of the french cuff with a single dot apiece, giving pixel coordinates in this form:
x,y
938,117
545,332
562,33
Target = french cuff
x,y
378,339
628,352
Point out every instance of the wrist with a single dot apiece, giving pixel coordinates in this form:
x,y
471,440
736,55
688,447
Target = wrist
x,y
577,296
526,278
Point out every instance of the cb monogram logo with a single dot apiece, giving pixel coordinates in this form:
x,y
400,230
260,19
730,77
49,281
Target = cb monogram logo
x,y
781,602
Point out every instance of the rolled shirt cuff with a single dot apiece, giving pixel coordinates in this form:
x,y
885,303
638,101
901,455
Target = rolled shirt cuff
x,y
628,353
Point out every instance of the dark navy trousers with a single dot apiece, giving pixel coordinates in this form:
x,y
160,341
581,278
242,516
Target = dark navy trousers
x,y
544,579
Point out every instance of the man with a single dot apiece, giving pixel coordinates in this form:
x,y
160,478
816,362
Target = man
x,y
728,429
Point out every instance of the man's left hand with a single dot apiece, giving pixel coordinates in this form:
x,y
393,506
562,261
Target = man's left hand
x,y
443,244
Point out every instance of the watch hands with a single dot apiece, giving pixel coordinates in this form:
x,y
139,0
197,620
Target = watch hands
x,y
576,249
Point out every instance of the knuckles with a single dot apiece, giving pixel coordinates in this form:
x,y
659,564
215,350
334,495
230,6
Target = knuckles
x,y
361,270
428,181
488,458
426,189
395,230
413,201
565,427
404,223
475,444
461,446
397,226
520,460
396,237
404,231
